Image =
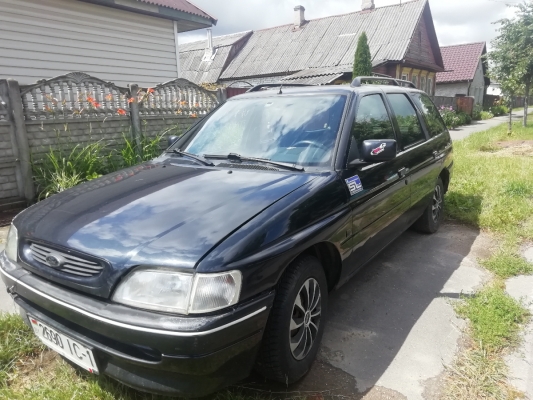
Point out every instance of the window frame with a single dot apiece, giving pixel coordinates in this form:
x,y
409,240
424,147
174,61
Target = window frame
x,y
426,129
421,122
353,119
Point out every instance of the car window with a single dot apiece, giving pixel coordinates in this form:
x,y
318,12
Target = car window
x,y
431,114
371,122
410,129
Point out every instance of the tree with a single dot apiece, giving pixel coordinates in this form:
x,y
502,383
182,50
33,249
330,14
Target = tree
x,y
512,55
362,65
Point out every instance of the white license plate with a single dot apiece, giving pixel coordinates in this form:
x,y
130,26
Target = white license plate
x,y
64,345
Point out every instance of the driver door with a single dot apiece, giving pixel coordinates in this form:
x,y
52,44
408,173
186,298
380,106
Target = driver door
x,y
382,191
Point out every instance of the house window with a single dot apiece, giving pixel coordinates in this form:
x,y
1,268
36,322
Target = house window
x,y
415,80
405,77
423,83
430,86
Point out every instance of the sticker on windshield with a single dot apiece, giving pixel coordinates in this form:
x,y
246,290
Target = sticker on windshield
x,y
379,150
354,185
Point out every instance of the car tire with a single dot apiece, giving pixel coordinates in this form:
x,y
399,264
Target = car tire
x,y
284,357
431,219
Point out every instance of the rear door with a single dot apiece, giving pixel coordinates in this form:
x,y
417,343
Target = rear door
x,y
379,193
415,148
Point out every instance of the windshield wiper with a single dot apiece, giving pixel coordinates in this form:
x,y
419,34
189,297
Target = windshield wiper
x,y
239,158
194,157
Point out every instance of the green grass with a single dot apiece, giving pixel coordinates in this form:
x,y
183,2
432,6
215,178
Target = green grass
x,y
16,342
505,265
496,317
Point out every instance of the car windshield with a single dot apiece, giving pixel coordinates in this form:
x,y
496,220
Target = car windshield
x,y
300,130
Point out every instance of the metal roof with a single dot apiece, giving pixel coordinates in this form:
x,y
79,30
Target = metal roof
x,y
195,69
315,76
461,62
328,42
181,5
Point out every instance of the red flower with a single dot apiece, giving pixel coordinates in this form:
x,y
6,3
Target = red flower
x,y
90,99
96,104
109,97
194,115
150,90
121,111
131,100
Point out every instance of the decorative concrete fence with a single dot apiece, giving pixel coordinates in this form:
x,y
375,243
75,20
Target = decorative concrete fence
x,y
77,109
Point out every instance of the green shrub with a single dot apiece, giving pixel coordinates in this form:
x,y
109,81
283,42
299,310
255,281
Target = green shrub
x,y
486,115
132,154
499,109
464,118
450,117
476,113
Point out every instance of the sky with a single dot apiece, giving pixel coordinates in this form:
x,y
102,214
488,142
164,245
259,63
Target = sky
x,y
456,21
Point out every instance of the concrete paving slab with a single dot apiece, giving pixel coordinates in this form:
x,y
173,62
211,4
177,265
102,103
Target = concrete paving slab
x,y
520,361
393,326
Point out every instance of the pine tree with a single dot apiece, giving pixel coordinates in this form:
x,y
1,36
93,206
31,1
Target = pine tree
x,y
362,65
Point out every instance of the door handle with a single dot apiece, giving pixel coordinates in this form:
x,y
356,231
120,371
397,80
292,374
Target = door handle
x,y
402,172
435,154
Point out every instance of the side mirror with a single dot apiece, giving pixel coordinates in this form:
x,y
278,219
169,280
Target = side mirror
x,y
171,140
376,151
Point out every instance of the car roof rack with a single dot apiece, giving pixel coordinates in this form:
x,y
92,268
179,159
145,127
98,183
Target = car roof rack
x,y
357,82
257,88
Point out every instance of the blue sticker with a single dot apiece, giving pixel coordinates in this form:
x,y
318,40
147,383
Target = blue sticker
x,y
354,185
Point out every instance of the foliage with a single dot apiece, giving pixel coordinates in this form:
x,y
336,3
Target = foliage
x,y
512,54
450,117
464,118
505,264
476,112
486,115
64,167
132,153
362,65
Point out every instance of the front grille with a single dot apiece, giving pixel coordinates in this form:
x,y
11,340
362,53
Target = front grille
x,y
67,262
247,166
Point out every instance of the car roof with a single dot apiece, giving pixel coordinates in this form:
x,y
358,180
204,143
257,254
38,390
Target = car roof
x,y
314,90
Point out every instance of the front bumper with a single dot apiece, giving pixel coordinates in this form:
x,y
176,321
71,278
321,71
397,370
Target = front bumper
x,y
154,352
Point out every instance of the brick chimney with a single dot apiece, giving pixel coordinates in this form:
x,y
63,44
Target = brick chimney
x,y
368,5
299,16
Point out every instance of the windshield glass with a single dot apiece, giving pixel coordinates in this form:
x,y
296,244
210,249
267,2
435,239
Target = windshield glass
x,y
299,130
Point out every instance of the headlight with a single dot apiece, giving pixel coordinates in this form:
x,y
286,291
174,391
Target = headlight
x,y
170,291
12,243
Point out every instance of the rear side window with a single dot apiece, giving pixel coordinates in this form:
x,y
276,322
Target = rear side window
x,y
410,129
372,121
431,114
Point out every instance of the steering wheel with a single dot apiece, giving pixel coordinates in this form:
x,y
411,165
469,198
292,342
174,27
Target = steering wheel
x,y
310,143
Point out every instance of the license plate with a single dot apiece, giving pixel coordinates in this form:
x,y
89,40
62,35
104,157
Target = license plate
x,y
64,345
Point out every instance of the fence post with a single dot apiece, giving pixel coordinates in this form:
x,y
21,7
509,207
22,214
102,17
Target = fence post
x,y
24,155
222,95
135,118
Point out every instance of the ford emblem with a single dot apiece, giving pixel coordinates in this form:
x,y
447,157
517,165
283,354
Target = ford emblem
x,y
53,261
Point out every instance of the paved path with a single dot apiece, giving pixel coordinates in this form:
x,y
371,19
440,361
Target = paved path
x,y
478,126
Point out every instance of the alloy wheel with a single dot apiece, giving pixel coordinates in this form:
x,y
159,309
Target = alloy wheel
x,y
305,319
437,203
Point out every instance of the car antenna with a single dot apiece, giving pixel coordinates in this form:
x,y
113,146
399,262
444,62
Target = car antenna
x,y
280,92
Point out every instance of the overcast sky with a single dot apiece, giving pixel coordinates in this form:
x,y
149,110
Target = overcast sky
x,y
456,21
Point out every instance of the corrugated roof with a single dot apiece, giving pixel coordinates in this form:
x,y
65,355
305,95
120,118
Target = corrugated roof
x,y
460,62
181,5
195,69
328,42
315,76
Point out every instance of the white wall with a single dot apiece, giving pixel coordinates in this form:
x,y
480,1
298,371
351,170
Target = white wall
x,y
45,38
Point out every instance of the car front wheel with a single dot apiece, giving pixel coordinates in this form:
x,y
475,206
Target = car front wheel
x,y
296,322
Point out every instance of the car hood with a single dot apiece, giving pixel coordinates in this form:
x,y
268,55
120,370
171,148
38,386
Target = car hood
x,y
157,213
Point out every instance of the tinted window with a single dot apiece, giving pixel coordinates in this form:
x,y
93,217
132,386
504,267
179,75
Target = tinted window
x,y
431,114
410,129
372,120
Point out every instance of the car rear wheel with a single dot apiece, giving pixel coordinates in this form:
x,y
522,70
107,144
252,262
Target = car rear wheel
x,y
296,322
432,217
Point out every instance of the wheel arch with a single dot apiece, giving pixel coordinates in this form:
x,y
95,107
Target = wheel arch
x,y
445,176
329,258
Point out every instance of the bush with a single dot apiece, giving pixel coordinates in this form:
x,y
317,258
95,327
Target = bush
x,y
464,119
450,117
498,110
486,115
476,113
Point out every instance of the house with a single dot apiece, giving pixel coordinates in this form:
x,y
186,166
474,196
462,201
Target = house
x,y
402,41
122,41
466,71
